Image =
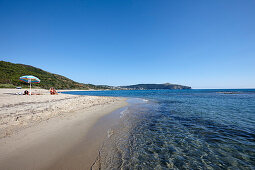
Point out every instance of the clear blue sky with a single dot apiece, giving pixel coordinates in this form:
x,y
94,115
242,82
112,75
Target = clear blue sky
x,y
203,44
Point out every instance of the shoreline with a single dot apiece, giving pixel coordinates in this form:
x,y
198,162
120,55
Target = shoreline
x,y
89,148
53,143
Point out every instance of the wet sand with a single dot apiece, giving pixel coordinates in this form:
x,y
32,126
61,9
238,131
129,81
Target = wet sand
x,y
85,150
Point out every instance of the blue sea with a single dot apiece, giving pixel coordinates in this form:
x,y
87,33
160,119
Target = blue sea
x,y
181,129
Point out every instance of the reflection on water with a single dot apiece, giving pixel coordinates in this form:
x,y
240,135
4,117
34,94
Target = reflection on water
x,y
183,130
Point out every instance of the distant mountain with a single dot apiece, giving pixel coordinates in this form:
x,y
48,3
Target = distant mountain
x,y
154,86
10,73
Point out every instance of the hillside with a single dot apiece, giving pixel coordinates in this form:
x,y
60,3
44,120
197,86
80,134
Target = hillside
x,y
155,86
10,73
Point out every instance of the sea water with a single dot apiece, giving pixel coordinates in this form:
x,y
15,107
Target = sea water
x,y
181,129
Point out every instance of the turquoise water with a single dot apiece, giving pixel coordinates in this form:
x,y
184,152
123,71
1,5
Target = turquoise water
x,y
182,129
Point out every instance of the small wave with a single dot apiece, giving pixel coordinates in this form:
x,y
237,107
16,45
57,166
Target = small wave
x,y
110,132
145,100
137,100
124,112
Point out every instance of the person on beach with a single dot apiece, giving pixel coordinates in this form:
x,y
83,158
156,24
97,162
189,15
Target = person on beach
x,y
26,92
53,91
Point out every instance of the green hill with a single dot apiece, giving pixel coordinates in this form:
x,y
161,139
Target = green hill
x,y
155,86
10,73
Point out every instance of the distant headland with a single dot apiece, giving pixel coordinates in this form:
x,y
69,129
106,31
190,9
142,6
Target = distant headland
x,y
148,87
155,86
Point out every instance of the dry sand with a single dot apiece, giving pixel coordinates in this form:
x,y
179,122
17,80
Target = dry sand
x,y
52,132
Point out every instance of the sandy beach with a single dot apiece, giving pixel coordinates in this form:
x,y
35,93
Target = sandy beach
x,y
52,131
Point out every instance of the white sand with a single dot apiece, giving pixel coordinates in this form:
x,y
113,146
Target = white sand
x,y
18,111
36,131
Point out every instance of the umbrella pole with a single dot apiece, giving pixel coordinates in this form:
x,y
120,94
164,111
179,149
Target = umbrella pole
x,y
30,87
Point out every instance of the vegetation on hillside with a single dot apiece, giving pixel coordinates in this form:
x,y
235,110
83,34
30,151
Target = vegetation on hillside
x,y
155,86
10,74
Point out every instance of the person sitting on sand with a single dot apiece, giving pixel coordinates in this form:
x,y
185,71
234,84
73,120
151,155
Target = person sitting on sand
x,y
26,92
53,91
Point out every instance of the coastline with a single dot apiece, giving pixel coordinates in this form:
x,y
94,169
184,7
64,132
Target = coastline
x,y
85,153
60,140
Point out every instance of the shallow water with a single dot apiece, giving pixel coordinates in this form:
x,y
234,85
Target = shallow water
x,y
182,129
